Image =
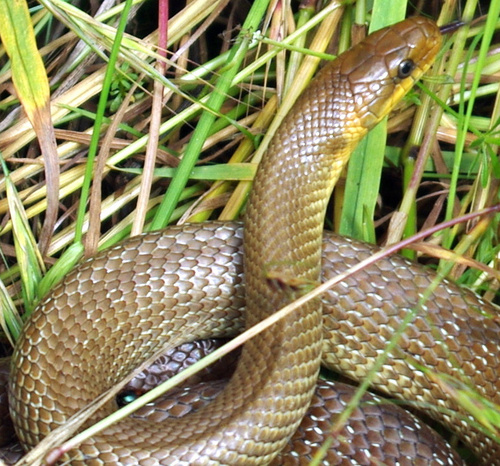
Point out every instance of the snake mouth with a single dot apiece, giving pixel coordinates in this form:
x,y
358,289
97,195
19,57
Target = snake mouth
x,y
451,27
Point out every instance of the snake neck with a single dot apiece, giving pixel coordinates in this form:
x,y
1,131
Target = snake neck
x,y
283,244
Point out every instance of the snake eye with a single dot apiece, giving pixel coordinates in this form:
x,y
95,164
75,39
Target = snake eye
x,y
127,396
405,68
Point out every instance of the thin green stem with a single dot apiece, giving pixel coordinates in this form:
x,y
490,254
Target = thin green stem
x,y
101,107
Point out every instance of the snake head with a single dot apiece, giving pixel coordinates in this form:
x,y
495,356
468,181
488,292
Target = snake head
x,y
392,59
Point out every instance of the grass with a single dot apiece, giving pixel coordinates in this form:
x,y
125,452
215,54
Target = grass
x,y
198,148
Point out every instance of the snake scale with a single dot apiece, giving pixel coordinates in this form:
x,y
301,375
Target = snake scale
x,y
113,311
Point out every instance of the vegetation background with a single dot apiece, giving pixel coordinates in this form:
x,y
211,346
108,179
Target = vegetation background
x,y
112,123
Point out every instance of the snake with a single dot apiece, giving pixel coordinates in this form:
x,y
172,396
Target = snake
x,y
189,282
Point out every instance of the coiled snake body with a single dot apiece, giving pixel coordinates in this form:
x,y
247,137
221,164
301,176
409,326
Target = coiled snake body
x,y
113,311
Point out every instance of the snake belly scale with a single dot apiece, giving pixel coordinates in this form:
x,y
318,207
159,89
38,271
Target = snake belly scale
x,y
113,311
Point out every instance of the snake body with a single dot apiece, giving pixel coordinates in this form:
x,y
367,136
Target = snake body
x,y
114,311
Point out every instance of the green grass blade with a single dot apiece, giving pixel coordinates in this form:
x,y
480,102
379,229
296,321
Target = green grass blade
x,y
365,166
215,102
